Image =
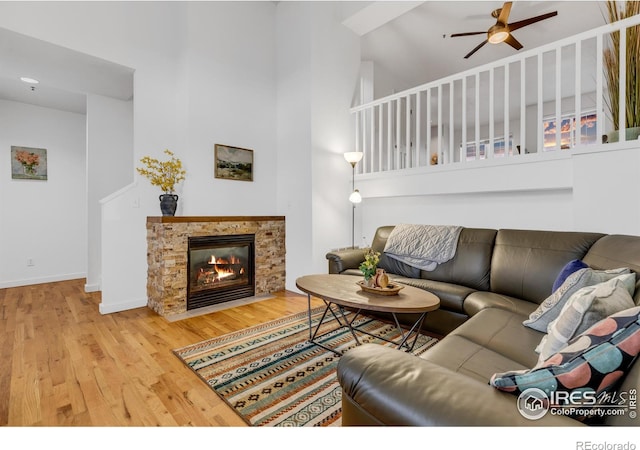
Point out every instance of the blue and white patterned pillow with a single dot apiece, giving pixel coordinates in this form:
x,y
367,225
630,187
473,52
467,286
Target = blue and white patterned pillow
x,y
594,361
585,308
550,308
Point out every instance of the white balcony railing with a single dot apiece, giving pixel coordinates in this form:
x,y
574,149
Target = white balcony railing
x,y
503,109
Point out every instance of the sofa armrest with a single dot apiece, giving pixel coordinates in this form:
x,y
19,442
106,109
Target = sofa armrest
x,y
341,260
391,387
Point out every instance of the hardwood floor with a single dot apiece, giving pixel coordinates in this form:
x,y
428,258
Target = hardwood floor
x,y
62,363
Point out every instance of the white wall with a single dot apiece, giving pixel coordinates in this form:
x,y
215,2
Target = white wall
x,y
146,36
294,136
204,74
230,75
318,71
109,168
43,220
586,190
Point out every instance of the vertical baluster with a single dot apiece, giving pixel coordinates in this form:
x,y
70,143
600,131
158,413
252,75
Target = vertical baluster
x,y
398,133
359,144
477,118
577,138
418,123
389,133
406,160
439,124
489,151
622,85
463,138
452,144
356,116
558,98
429,149
506,110
380,134
363,123
599,106
523,107
372,132
540,140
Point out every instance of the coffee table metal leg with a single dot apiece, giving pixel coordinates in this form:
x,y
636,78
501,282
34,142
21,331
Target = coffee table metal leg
x,y
353,333
313,333
415,329
347,323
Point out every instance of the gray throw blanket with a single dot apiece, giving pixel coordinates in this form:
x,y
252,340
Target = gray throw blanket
x,y
423,246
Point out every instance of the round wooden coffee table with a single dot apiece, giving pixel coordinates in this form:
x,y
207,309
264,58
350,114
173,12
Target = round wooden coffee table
x,y
343,291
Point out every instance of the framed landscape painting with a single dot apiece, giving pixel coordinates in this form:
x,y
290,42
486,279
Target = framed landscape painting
x,y
28,163
233,163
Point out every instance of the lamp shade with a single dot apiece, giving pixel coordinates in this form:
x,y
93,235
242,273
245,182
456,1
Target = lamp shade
x,y
355,197
353,157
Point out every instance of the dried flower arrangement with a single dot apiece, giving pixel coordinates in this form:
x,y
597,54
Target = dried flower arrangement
x,y
165,174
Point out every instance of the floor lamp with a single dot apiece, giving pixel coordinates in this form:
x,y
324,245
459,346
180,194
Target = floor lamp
x,y
353,158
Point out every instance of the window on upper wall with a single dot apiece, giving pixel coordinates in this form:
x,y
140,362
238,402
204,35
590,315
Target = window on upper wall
x,y
498,148
568,131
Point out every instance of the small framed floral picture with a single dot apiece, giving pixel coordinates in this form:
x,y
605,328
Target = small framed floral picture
x,y
28,163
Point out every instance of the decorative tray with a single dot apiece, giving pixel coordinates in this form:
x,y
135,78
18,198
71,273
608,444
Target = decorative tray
x,y
391,289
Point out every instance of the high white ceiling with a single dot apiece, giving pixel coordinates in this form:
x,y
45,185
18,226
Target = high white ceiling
x,y
65,76
408,40
415,47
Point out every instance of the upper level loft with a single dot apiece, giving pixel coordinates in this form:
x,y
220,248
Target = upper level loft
x,y
555,98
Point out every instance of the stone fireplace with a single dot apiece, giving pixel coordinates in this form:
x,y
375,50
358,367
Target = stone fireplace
x,y
220,269
195,262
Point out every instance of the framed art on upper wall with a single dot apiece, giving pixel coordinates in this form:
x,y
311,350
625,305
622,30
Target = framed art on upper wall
x,y
28,163
233,163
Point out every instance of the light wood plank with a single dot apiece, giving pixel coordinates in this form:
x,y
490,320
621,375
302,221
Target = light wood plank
x,y
65,364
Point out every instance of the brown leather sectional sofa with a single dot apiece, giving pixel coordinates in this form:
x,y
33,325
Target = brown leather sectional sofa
x,y
495,280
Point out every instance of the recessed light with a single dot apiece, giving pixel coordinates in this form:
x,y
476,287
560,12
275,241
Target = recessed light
x,y
29,80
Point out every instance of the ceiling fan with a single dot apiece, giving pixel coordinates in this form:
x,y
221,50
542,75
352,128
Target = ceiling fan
x,y
501,31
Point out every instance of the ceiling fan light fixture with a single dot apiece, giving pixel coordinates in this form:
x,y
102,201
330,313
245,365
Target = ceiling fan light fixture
x,y
29,80
497,34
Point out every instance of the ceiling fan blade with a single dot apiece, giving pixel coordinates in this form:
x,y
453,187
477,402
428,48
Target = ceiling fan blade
x,y
472,33
523,23
513,42
504,13
476,49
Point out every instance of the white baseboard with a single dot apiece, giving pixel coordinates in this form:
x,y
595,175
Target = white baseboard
x,y
123,306
92,287
41,280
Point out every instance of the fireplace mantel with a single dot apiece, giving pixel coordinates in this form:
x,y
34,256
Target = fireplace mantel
x,y
188,219
167,248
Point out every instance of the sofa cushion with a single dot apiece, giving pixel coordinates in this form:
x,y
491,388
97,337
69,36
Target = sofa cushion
x,y
585,308
393,266
493,338
469,358
471,265
550,308
594,361
572,266
451,295
477,301
525,263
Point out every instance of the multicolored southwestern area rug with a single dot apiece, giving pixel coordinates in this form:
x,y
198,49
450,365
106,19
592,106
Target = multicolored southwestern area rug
x,y
272,376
